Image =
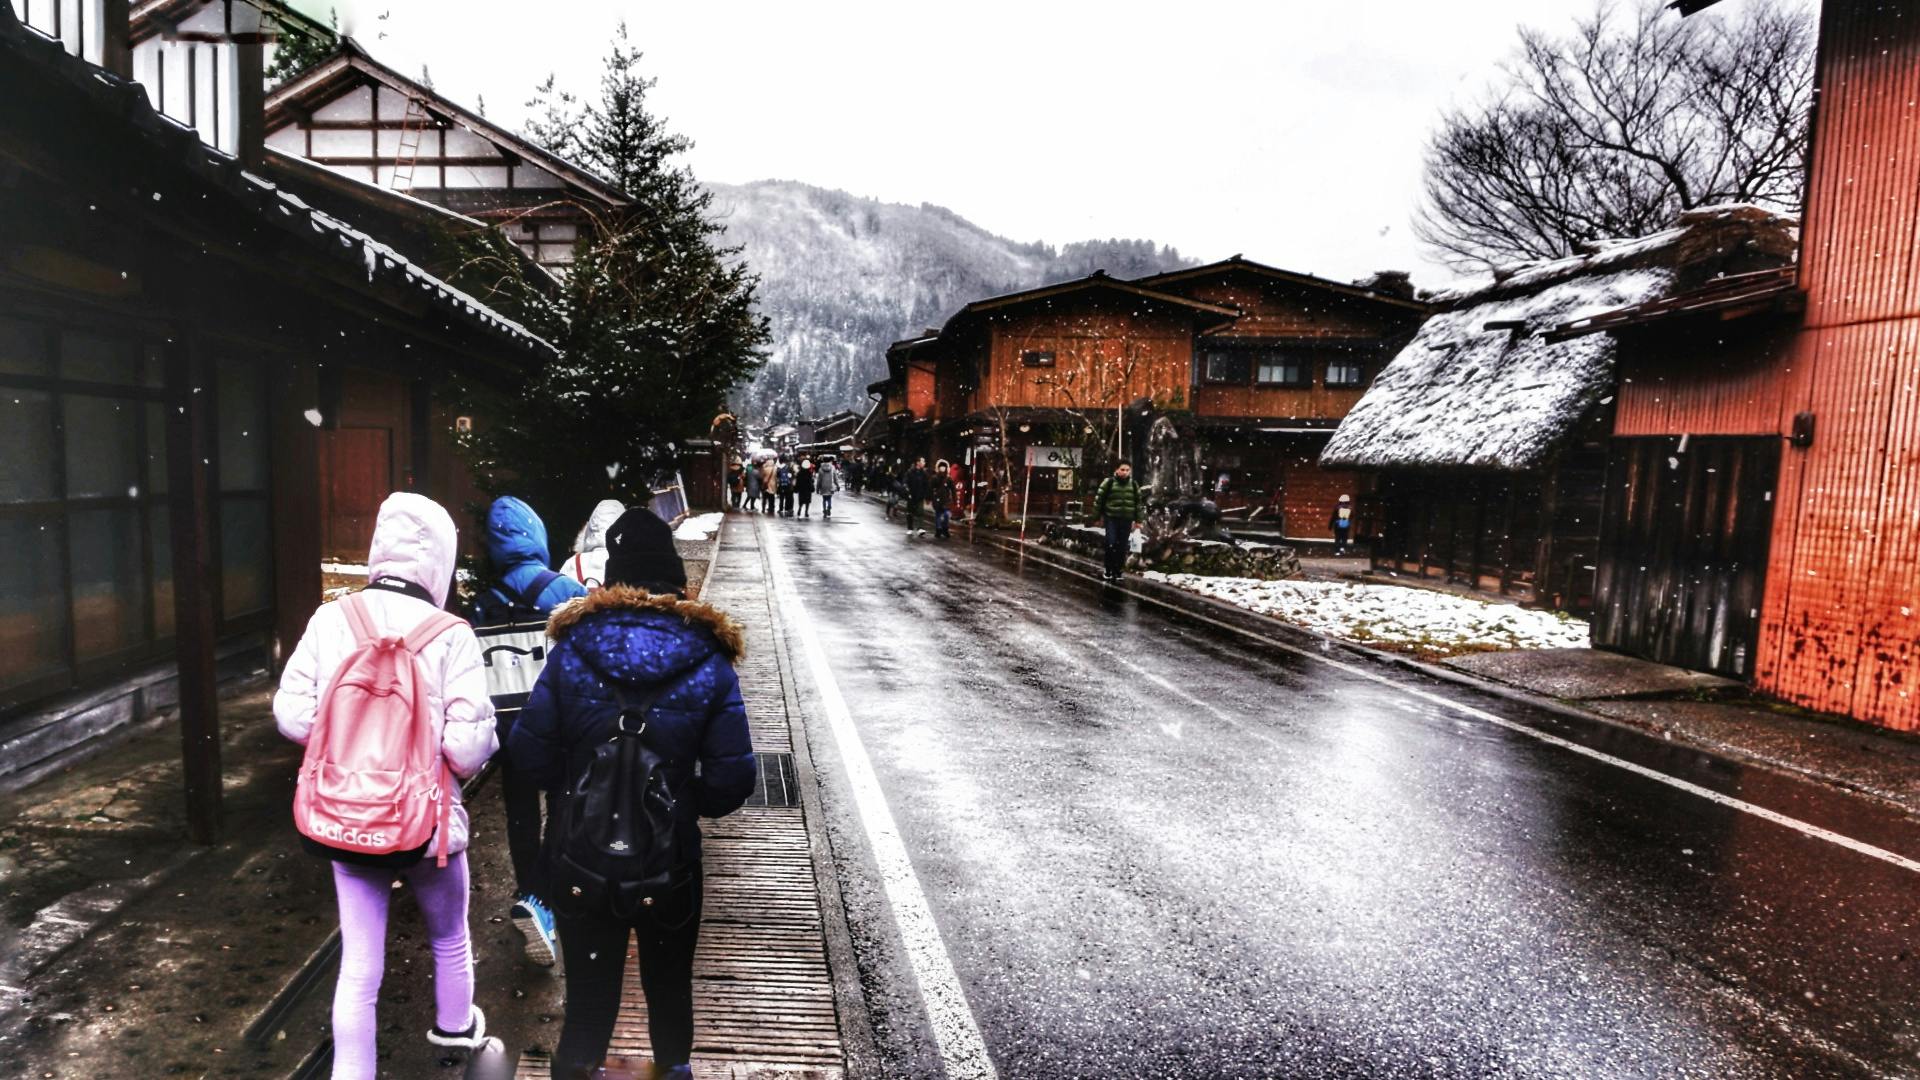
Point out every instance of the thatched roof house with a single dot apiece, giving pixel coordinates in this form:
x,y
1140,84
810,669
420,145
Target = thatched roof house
x,y
1489,429
1486,384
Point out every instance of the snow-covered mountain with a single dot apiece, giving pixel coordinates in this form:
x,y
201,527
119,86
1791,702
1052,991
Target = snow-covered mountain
x,y
842,277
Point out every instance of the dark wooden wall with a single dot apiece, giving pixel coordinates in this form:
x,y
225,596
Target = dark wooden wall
x,y
1683,554
1533,537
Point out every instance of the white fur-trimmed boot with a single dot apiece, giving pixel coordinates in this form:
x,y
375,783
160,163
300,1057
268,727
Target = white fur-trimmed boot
x,y
473,1038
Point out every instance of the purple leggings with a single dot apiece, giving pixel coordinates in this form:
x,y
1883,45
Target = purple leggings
x,y
364,893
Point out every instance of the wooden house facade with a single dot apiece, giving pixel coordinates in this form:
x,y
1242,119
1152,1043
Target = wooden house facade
x,y
830,435
1801,392
358,117
1489,430
170,326
1269,389
1068,366
1254,365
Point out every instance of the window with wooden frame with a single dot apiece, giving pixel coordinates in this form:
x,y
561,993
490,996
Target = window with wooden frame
x,y
245,480
1345,372
1225,366
87,585
1285,369
1037,358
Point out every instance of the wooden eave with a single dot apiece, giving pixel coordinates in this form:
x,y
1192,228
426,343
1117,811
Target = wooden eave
x,y
1248,267
911,344
296,100
1736,296
203,203
422,219
1205,313
160,18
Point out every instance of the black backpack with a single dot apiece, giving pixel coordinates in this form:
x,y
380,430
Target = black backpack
x,y
612,844
494,607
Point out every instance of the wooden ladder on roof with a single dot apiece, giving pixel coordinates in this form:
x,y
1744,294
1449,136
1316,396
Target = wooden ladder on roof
x,y
413,128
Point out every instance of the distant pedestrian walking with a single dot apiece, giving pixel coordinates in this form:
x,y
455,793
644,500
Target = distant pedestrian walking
x,y
736,484
945,492
753,487
588,563
828,486
1342,524
409,569
638,691
919,487
803,485
769,482
1118,504
783,483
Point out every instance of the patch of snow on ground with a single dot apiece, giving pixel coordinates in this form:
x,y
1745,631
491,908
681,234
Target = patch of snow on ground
x,y
353,569
698,528
1392,615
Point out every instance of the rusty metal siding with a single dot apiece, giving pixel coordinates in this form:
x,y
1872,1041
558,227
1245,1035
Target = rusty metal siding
x,y
1732,384
1838,627
1864,192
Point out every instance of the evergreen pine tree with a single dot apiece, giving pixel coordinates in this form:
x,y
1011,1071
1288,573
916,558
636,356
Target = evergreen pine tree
x,y
654,320
553,119
631,147
300,48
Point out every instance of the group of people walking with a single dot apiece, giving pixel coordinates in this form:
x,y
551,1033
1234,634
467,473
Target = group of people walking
x,y
633,731
779,485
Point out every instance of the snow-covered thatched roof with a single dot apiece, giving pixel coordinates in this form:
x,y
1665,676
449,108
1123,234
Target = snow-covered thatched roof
x,y
1480,386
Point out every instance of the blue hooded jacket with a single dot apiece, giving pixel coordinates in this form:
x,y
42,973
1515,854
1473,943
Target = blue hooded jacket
x,y
640,642
517,546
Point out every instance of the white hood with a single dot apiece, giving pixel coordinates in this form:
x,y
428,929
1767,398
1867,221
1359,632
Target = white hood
x,y
414,540
593,535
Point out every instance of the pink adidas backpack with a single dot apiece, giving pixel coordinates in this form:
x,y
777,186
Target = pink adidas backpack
x,y
373,782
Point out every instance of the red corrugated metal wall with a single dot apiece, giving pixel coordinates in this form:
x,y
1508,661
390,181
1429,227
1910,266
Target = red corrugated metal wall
x,y
1728,384
1839,626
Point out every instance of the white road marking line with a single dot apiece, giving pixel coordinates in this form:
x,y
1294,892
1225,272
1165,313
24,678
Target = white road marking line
x,y
1805,828
963,1052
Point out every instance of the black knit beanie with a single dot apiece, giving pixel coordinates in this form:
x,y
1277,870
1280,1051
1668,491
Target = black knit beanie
x,y
640,553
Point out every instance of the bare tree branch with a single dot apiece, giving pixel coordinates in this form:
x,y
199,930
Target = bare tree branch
x,y
1614,129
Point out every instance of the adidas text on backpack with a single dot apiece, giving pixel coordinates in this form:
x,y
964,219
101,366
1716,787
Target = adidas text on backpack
x,y
373,787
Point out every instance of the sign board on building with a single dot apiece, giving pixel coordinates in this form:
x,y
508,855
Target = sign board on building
x,y
1053,457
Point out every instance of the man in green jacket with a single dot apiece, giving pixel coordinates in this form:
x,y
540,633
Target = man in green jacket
x,y
1119,505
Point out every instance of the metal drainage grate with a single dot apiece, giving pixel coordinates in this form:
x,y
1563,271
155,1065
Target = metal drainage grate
x,y
775,785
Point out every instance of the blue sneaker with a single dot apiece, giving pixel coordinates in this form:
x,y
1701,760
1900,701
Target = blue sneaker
x,y
535,923
678,1072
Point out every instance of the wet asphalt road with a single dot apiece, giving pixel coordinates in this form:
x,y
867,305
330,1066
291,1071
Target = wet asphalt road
x,y
1156,849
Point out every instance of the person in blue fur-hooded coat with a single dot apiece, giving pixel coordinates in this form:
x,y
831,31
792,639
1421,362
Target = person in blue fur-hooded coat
x,y
634,639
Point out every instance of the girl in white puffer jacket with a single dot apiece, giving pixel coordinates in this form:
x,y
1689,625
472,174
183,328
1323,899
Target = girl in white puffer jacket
x,y
588,563
408,573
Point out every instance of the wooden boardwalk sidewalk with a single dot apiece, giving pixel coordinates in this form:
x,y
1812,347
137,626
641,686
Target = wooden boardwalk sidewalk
x,y
763,995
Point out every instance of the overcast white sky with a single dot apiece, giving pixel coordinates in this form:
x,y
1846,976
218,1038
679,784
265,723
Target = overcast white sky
x,y
1286,130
